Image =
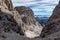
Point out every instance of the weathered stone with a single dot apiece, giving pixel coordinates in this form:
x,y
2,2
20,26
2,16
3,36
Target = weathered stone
x,y
31,27
9,4
53,24
26,15
13,21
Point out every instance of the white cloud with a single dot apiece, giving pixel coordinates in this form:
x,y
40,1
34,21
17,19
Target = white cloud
x,y
38,5
24,2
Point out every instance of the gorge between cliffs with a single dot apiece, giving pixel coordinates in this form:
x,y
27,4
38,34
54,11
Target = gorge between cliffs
x,y
19,23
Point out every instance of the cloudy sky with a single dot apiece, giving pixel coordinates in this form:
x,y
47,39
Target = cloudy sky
x,y
40,7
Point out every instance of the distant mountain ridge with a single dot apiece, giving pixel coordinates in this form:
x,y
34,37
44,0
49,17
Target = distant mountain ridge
x,y
42,15
42,20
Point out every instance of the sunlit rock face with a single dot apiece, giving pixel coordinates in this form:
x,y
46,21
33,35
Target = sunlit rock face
x,y
32,27
53,24
7,4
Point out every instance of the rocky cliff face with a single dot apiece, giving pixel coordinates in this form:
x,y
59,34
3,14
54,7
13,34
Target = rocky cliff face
x,y
27,15
21,22
13,24
8,18
31,26
7,4
53,24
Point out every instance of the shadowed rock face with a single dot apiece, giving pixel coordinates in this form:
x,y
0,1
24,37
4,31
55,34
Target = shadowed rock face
x,y
7,23
31,27
8,18
53,24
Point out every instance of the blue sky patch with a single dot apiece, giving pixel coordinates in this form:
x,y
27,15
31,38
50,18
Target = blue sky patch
x,y
39,7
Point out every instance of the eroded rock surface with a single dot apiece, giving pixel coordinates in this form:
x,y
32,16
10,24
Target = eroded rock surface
x,y
7,4
53,24
31,26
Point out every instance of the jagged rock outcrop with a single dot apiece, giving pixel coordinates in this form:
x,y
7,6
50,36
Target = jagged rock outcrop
x,y
26,15
53,24
31,27
7,18
13,21
7,4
